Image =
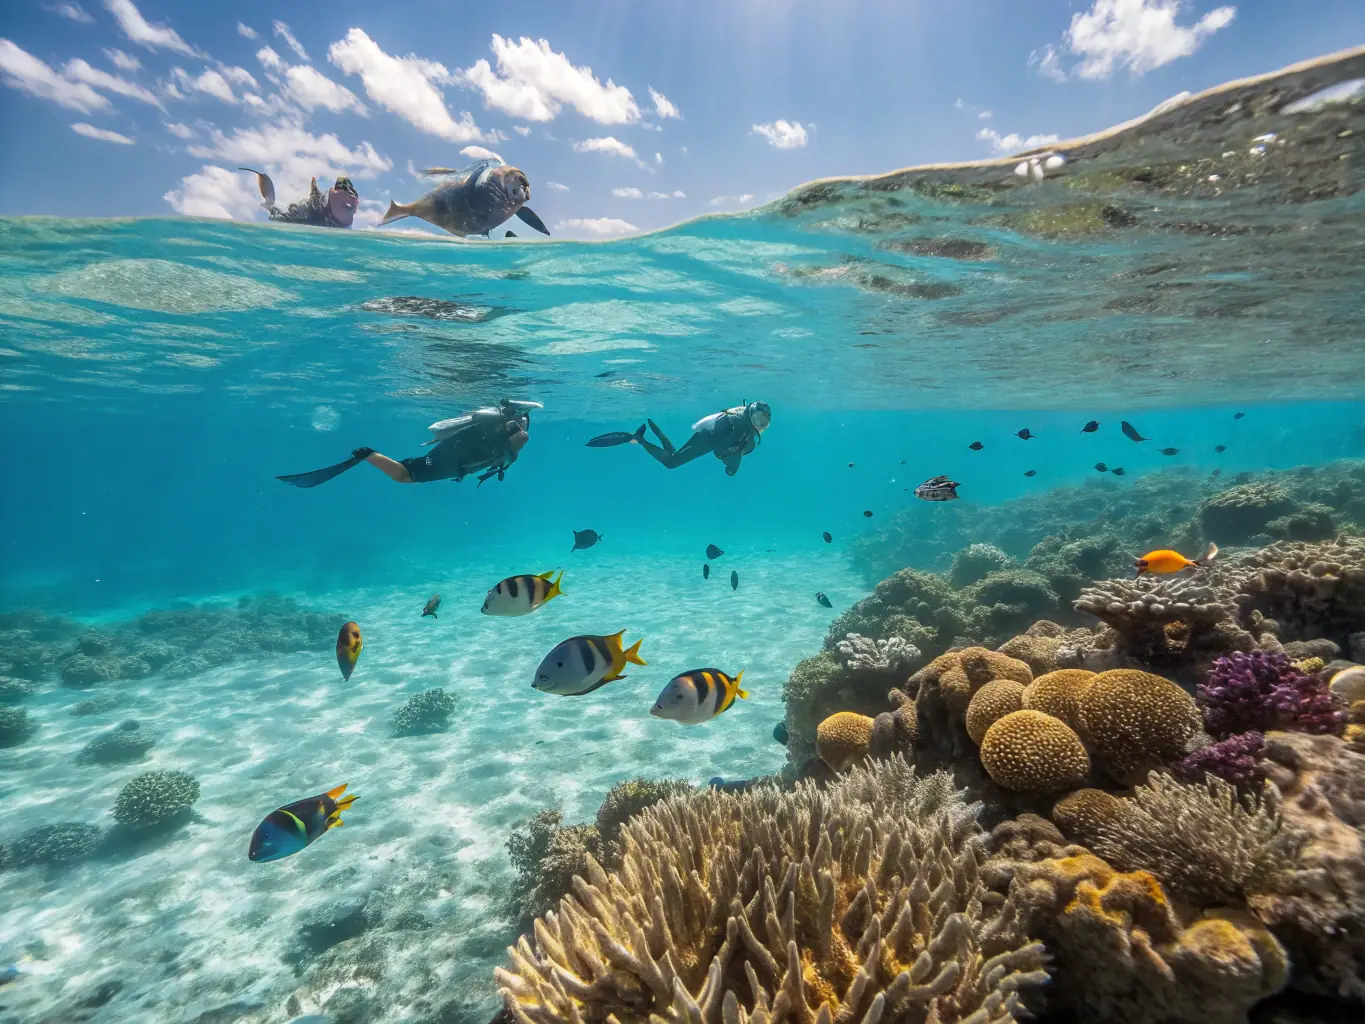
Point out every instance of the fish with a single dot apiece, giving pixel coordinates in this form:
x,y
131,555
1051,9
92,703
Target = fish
x,y
1238,415
473,200
1091,427
715,782
584,539
705,571
288,829
713,552
1220,448
1024,435
780,733
1215,474
938,488
822,601
1170,451
1100,467
828,538
509,234
867,512
349,645
698,696
433,603
521,595
1131,432
581,664
850,465
1030,472
1164,562
734,579
1118,471
266,186
616,437
976,446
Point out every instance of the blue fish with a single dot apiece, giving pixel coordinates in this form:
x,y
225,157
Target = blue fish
x,y
288,829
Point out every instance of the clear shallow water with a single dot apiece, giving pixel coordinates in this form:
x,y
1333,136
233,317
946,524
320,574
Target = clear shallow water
x,y
159,373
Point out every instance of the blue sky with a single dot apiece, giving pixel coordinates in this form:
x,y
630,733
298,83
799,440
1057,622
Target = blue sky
x,y
640,114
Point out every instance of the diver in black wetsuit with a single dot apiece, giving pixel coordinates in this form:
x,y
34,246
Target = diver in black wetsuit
x,y
485,439
728,435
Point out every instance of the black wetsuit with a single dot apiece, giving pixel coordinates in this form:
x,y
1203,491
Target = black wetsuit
x,y
480,446
312,210
729,436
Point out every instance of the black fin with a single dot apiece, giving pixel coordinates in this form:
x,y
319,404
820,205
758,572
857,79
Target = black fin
x,y
319,476
510,234
529,216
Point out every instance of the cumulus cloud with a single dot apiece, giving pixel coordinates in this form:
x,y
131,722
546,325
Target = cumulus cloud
x,y
668,195
180,131
1139,35
270,60
216,192
555,186
405,86
535,83
609,144
138,30
123,61
479,153
91,132
282,30
211,83
782,134
21,70
79,71
245,31
603,226
731,200
74,12
310,88
239,76
627,193
984,115
663,107
292,155
1014,142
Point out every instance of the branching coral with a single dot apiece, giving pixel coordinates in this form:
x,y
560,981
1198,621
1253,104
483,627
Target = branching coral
x,y
52,845
1238,514
1235,760
862,899
123,744
1261,691
546,855
627,799
893,657
155,798
425,713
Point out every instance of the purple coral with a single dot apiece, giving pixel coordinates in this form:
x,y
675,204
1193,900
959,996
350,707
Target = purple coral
x,y
1260,691
1236,760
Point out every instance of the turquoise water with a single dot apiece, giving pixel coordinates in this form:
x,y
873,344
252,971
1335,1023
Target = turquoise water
x,y
158,374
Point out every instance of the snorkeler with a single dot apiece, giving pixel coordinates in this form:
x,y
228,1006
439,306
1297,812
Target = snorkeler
x,y
335,210
485,439
729,436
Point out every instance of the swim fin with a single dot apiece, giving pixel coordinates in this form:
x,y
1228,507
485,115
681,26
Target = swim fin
x,y
616,437
321,476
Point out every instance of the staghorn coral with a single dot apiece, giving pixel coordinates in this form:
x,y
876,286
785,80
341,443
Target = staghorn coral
x,y
975,562
1235,760
1059,694
15,726
1261,691
424,714
1312,590
893,657
1135,721
627,799
155,798
546,855
843,739
1030,752
991,703
863,899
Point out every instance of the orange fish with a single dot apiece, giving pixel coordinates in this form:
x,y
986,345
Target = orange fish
x,y
348,648
1163,563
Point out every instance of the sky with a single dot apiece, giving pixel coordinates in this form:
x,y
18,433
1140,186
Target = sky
x,y
626,116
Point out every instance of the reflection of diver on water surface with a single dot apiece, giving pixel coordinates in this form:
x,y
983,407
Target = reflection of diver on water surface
x,y
729,436
334,210
486,439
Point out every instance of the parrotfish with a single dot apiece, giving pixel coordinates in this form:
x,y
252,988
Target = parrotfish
x,y
1131,432
780,733
713,552
697,696
584,539
521,595
1164,562
581,664
348,648
433,603
472,201
289,829
822,600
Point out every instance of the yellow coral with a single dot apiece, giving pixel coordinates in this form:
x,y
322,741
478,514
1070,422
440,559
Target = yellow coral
x,y
1059,694
1031,752
1310,665
991,703
1348,685
1239,947
843,739
1135,722
957,689
1039,653
982,666
1081,813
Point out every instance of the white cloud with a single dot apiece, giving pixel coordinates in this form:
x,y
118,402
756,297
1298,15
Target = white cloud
x,y
368,215
403,85
273,106
22,70
282,30
216,192
1135,34
180,131
555,186
91,132
1048,63
210,82
663,106
984,115
79,71
153,37
609,144
731,200
479,153
658,158
627,193
239,76
668,195
521,130
782,134
75,12
123,61
958,103
245,31
535,83
1014,142
270,60
292,155
310,88
597,225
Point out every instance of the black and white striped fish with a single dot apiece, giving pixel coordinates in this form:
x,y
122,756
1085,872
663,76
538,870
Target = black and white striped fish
x,y
581,664
940,488
697,696
521,595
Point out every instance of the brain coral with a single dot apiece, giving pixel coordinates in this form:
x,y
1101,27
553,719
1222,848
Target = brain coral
x,y
1135,721
992,702
843,739
1039,653
862,902
1030,752
1059,694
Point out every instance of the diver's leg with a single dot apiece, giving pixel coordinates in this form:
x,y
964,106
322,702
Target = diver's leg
x,y
395,471
671,458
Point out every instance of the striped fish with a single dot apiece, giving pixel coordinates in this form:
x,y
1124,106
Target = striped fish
x,y
581,664
288,829
521,595
697,696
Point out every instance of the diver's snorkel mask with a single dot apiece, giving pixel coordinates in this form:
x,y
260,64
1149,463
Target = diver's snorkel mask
x,y
759,415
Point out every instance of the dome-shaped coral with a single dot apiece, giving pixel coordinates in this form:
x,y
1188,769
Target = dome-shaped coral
x,y
1031,752
1059,694
154,798
981,666
976,562
991,703
843,738
1039,653
1136,721
1080,814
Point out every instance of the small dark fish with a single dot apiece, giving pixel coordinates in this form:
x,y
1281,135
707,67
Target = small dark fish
x,y
902,462
938,488
1131,432
1091,427
976,446
1170,451
867,512
433,603
850,465
584,539
823,601
609,373
734,580
1215,474
713,552
828,539
1117,471
348,648
705,571
1220,449
1100,467
1238,415
1024,434
780,733
1031,472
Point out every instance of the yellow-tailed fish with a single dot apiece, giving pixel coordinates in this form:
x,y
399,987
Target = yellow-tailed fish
x,y
521,595
348,648
290,828
1164,562
581,664
697,696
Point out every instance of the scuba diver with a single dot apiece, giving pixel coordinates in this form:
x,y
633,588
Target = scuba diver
x,y
728,435
335,210
486,439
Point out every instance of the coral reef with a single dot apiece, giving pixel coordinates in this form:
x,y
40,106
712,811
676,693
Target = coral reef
x,y
991,703
1059,694
1311,590
1243,512
627,799
975,562
843,739
155,798
1135,721
894,656
861,899
15,691
15,726
1030,752
1260,691
1036,647
1235,760
125,743
426,713
51,845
